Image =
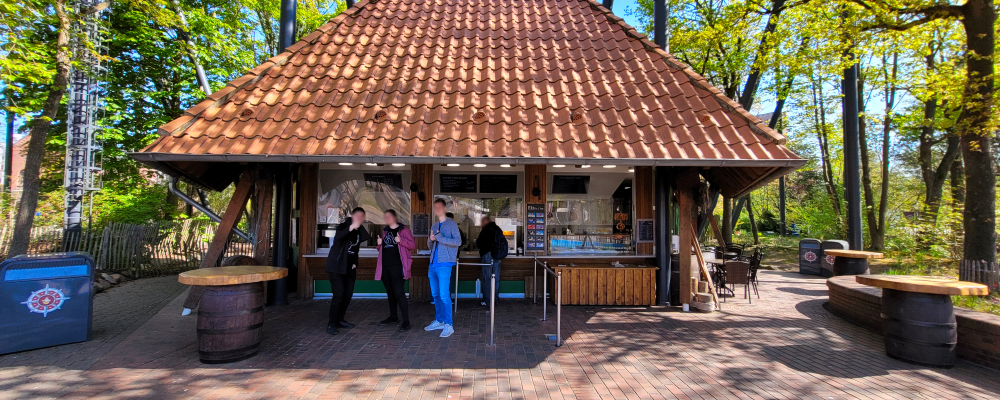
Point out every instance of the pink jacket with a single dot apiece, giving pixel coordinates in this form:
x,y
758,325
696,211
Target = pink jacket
x,y
406,245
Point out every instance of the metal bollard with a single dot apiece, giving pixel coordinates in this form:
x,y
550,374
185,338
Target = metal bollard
x,y
493,307
545,294
534,283
559,309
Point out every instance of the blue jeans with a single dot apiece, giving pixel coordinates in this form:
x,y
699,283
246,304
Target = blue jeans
x,y
488,271
439,274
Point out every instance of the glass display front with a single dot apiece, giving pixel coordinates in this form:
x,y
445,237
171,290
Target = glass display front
x,y
506,212
592,223
375,191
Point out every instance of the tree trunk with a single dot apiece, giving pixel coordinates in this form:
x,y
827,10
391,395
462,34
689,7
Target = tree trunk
x,y
975,129
819,119
40,127
727,217
753,221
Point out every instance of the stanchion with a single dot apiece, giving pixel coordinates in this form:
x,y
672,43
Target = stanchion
x,y
545,297
559,309
493,307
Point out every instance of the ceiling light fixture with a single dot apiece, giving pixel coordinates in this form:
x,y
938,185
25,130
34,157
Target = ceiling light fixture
x,y
558,166
453,165
346,164
504,165
479,165
610,166
399,164
371,164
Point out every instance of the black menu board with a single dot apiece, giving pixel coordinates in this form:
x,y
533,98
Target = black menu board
x,y
645,231
393,180
497,183
455,183
534,232
421,225
570,184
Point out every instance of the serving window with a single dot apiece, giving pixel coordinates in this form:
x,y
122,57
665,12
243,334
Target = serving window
x,y
590,214
375,189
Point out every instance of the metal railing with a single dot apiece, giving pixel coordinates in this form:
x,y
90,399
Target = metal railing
x,y
493,298
545,295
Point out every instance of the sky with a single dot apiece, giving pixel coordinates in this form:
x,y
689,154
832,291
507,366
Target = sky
x,y
618,8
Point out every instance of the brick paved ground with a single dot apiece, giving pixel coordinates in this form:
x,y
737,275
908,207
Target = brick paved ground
x,y
783,346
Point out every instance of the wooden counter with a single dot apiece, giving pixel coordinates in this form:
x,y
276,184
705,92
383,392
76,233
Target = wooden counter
x,y
603,284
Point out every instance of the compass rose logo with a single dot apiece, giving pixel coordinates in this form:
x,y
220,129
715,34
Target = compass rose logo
x,y
44,301
810,256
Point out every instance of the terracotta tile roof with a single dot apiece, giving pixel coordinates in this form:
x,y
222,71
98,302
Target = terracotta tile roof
x,y
473,78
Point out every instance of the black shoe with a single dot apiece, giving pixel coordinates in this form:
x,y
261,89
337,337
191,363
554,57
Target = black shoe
x,y
389,321
405,326
331,330
345,325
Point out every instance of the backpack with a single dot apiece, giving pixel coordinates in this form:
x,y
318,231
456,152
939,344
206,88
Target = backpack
x,y
500,246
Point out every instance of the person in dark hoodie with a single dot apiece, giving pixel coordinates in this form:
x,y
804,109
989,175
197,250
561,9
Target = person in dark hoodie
x,y
486,242
342,267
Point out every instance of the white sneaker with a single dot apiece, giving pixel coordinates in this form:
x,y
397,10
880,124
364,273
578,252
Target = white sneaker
x,y
434,326
448,330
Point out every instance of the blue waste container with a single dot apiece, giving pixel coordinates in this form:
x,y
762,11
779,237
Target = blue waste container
x,y
45,300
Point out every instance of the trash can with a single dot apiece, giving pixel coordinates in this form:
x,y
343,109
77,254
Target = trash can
x,y
827,270
809,257
45,300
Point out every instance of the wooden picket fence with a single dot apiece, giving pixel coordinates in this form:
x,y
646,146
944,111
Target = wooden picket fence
x,y
139,250
981,271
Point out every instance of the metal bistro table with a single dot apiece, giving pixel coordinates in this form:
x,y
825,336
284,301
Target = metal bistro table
x,y
918,319
851,262
231,313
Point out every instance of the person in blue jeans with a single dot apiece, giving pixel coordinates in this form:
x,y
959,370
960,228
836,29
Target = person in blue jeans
x,y
444,241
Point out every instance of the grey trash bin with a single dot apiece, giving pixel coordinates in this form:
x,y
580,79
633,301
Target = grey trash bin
x,y
827,270
46,300
809,257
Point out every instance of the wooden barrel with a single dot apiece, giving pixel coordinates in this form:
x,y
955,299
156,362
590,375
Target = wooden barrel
x,y
229,322
919,327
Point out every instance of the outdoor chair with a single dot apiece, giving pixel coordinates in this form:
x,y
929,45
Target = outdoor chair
x,y
738,273
755,260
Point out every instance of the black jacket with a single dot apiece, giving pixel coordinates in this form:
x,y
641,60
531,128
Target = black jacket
x,y
487,239
338,260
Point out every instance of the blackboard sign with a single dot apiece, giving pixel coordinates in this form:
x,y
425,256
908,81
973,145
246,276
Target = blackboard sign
x,y
458,183
421,225
534,232
392,180
497,183
570,184
645,231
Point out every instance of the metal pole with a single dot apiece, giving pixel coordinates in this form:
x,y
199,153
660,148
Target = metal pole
x,y
534,283
286,24
282,231
660,23
781,204
8,150
608,4
558,308
545,293
493,308
664,232
852,159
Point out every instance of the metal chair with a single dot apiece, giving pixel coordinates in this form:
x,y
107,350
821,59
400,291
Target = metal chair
x,y
738,273
755,259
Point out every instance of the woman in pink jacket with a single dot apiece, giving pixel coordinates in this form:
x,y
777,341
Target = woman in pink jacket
x,y
394,262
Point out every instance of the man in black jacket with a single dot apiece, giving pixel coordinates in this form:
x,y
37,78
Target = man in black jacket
x,y
486,242
342,267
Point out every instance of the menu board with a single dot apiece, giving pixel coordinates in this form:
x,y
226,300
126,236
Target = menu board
x,y
645,232
497,183
570,184
392,180
534,238
421,225
456,183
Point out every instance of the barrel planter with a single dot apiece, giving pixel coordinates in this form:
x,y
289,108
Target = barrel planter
x,y
850,266
919,327
230,320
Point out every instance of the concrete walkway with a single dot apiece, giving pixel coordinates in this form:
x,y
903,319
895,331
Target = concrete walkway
x,y
784,345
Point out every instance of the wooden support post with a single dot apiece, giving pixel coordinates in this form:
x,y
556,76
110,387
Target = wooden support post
x,y
643,188
218,245
262,198
704,268
308,197
686,183
716,231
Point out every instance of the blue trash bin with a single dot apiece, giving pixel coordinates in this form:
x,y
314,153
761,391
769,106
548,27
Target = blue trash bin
x,y
45,300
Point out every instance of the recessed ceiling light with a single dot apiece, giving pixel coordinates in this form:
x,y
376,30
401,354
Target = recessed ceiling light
x,y
453,165
504,165
371,164
558,166
610,166
399,164
346,164
585,166
479,165
631,170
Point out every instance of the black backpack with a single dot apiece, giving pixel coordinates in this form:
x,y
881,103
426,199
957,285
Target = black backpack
x,y
500,246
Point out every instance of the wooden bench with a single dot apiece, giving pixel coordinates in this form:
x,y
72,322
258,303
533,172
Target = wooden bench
x,y
851,262
231,314
918,319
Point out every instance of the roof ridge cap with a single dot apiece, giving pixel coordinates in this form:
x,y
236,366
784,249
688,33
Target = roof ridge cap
x,y
755,124
222,96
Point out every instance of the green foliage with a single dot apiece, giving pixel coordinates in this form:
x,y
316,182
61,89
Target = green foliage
x,y
136,204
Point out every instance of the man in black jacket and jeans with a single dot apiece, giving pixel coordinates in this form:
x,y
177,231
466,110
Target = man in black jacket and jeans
x,y
486,242
342,267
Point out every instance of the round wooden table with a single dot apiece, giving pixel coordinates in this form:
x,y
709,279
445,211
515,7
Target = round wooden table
x,y
851,262
231,313
918,319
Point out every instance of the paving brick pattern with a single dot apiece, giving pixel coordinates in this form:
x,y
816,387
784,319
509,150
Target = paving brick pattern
x,y
785,345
